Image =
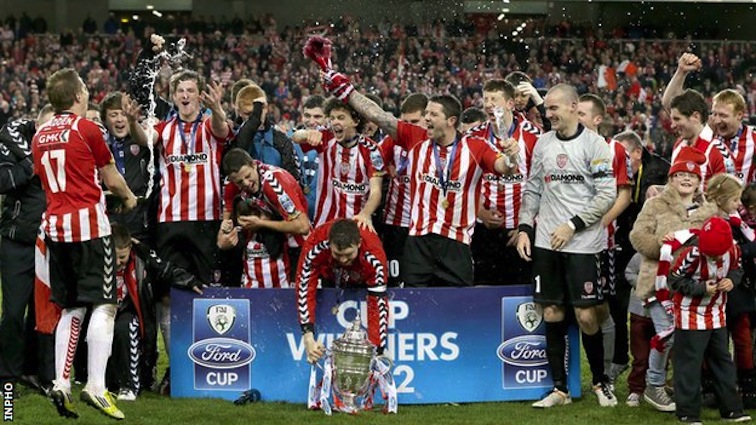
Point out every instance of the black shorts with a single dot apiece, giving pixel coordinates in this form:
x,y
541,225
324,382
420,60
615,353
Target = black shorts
x,y
566,279
190,245
394,239
434,260
495,262
82,273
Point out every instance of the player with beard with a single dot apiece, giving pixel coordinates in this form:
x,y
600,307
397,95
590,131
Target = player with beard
x,y
501,196
446,169
350,170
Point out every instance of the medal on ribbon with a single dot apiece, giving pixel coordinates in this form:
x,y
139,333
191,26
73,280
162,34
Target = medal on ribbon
x,y
444,170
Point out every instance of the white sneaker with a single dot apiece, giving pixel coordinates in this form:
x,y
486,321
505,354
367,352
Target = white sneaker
x,y
127,395
633,400
604,394
554,398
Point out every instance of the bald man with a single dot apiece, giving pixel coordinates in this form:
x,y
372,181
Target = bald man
x,y
570,188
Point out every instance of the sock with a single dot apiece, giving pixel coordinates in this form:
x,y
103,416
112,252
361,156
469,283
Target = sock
x,y
164,316
556,348
66,339
594,351
100,341
608,330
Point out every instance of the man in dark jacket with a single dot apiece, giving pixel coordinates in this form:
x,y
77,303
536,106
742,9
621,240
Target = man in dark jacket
x,y
138,269
21,348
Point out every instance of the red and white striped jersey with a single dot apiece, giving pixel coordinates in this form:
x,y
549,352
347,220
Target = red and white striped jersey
x,y
451,214
279,195
707,311
706,144
739,153
623,173
367,270
68,152
261,271
344,176
503,194
189,160
396,211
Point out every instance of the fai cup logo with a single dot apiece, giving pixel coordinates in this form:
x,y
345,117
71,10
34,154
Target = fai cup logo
x,y
221,318
528,316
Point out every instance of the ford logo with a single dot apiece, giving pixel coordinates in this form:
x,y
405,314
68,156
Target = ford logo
x,y
221,353
524,351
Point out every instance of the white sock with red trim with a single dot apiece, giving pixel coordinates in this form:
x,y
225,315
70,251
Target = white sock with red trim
x,y
66,339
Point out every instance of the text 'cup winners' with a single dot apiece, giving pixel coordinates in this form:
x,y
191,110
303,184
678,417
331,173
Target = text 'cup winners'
x,y
351,373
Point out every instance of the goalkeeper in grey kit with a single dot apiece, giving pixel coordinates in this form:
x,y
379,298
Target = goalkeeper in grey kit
x,y
571,186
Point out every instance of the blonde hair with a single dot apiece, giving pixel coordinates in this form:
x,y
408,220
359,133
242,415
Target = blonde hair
x,y
722,188
731,97
246,96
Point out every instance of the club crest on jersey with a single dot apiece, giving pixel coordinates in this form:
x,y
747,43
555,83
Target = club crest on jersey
x,y
528,316
221,318
561,160
588,287
134,150
287,204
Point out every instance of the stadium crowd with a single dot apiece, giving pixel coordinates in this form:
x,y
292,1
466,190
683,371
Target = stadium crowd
x,y
270,172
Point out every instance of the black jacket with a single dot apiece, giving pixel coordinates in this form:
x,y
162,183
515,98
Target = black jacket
x,y
24,197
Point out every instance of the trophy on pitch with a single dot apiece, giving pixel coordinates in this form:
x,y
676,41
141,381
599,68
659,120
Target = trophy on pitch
x,y
352,360
352,372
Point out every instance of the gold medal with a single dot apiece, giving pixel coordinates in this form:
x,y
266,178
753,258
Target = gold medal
x,y
306,190
187,167
335,309
445,203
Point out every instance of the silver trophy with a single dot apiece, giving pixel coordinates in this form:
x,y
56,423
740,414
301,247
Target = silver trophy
x,y
352,361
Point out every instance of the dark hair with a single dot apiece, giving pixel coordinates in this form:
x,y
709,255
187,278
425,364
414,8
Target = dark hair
x,y
516,77
187,75
314,101
235,159
413,103
689,102
449,104
273,240
121,235
503,86
598,105
473,114
334,104
110,102
62,88
344,233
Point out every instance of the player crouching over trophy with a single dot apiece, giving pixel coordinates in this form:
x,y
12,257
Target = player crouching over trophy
x,y
349,257
352,372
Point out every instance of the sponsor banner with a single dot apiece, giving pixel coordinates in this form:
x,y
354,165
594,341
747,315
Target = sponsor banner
x,y
448,344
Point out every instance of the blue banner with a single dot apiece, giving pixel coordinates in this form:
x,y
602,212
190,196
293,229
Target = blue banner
x,y
448,344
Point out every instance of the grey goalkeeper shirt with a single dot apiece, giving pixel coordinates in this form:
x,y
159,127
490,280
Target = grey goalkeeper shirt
x,y
570,179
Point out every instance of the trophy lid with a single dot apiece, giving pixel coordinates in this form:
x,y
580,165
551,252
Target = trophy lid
x,y
355,332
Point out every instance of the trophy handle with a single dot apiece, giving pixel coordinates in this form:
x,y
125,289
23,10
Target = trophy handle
x,y
382,365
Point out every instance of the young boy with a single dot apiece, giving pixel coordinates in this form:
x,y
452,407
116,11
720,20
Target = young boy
x,y
701,278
